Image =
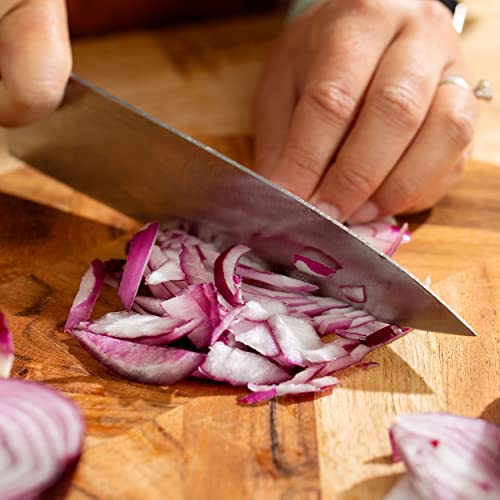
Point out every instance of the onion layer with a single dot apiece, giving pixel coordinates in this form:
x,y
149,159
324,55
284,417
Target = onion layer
x,y
41,436
447,456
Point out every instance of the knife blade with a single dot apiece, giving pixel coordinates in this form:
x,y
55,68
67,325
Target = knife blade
x,y
127,159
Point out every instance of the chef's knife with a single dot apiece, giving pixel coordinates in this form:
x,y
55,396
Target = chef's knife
x,y
125,158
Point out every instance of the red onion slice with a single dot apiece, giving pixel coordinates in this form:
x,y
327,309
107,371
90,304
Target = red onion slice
x,y
355,293
140,249
276,281
449,456
141,363
192,266
149,305
90,288
383,234
237,367
170,270
226,280
41,436
143,328
302,383
6,348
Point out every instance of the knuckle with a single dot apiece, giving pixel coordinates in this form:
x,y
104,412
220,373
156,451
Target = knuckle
x,y
400,104
435,12
399,194
352,177
333,100
304,164
460,128
459,169
367,7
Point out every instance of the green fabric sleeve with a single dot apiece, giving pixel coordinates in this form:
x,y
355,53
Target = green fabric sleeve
x,y
299,6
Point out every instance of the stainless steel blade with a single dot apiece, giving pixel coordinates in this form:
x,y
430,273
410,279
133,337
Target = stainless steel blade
x,y
132,162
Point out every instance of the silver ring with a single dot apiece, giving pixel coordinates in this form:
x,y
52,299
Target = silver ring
x,y
482,89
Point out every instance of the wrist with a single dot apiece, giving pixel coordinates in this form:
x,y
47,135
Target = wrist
x,y
458,9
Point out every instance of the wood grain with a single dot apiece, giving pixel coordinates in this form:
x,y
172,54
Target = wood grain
x,y
193,441
35,236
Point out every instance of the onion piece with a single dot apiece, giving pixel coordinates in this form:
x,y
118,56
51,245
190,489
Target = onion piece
x,y
143,328
170,270
192,265
274,280
237,367
149,305
449,456
383,234
140,249
355,293
141,363
226,280
369,365
266,392
90,288
313,267
6,348
41,436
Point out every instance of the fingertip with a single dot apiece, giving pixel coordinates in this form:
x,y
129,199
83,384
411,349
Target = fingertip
x,y
26,103
35,61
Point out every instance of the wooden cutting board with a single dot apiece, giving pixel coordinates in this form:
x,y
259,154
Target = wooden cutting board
x,y
192,440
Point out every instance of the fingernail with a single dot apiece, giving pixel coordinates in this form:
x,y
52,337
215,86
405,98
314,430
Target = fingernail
x,y
366,213
330,210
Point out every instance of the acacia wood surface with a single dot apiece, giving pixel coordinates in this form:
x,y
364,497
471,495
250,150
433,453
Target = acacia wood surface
x,y
191,440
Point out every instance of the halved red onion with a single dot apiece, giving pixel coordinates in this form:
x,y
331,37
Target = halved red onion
x,y
90,288
448,456
6,348
138,255
226,280
142,363
41,441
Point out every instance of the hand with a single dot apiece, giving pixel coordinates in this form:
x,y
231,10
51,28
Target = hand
x,y
350,114
35,59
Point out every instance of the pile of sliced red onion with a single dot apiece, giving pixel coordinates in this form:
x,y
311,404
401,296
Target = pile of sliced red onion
x,y
447,456
41,434
191,310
